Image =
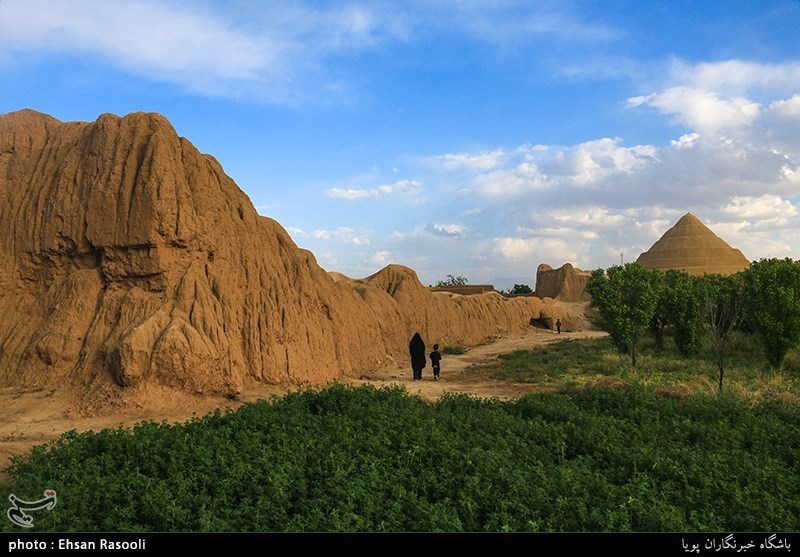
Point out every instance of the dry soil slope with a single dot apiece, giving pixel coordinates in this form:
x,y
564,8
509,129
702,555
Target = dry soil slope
x,y
565,284
130,257
446,317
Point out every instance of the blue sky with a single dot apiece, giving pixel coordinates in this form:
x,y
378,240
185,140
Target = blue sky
x,y
455,137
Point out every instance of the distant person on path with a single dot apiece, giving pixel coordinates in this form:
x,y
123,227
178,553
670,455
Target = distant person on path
x,y
417,350
558,326
436,357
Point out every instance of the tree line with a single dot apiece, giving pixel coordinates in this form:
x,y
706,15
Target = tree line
x,y
461,280
633,301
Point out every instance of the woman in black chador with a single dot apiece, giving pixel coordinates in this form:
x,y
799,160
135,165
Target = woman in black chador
x,y
417,350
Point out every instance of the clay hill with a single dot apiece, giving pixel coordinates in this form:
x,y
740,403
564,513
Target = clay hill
x,y
692,247
565,284
130,258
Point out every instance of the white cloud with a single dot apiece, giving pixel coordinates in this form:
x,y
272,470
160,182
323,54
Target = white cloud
x,y
589,202
180,43
693,170
281,51
263,209
686,141
590,161
560,232
653,212
780,125
343,234
351,193
535,250
269,50
530,150
401,186
447,230
431,231
405,185
753,243
788,107
380,258
765,206
480,161
587,164
735,163
652,229
592,216
327,260
737,76
504,23
580,199
524,178
702,110
737,98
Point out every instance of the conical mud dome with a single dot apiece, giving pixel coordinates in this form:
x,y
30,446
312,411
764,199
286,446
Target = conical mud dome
x,y
692,247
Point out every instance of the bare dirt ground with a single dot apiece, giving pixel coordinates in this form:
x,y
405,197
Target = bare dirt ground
x,y
460,373
28,418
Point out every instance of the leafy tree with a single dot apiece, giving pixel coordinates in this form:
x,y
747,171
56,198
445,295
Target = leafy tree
x,y
718,301
460,280
521,289
661,315
682,312
771,303
674,307
626,298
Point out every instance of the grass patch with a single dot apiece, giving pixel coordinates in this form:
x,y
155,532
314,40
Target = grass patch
x,y
573,363
366,459
554,361
456,350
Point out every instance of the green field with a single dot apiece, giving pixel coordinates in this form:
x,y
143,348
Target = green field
x,y
568,364
355,459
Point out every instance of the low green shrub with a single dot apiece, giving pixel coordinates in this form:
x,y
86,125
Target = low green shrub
x,y
366,459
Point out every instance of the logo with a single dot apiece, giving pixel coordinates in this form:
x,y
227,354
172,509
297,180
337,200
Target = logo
x,y
17,515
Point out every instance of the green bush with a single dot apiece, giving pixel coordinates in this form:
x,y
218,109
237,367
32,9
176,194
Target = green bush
x,y
626,298
460,280
366,459
772,305
521,289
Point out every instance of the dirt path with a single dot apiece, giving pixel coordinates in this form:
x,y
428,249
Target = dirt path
x,y
458,374
32,417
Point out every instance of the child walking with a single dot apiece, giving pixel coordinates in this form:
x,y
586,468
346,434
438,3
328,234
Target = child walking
x,y
436,357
